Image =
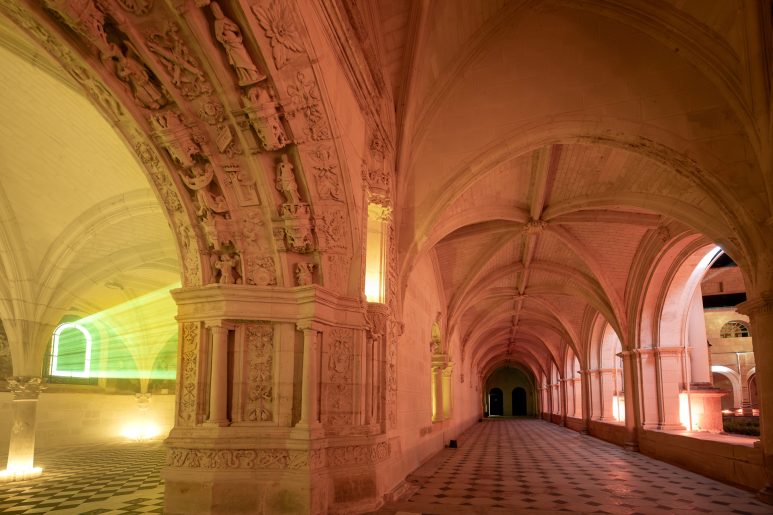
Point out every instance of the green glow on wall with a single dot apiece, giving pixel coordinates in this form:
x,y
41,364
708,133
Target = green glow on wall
x,y
133,340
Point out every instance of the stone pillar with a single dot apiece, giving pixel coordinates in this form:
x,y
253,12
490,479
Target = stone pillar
x,y
631,436
760,312
437,377
594,394
649,391
608,388
218,382
21,450
309,388
700,361
562,396
586,401
670,381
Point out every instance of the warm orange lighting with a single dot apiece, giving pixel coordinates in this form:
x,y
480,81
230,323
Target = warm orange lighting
x,y
140,431
19,473
375,259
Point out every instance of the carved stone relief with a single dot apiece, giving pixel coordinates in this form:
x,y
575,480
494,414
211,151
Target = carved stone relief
x,y
260,270
188,380
304,274
331,228
326,174
226,268
228,34
260,388
336,272
295,213
183,69
340,375
243,185
127,66
358,454
305,100
138,7
277,20
262,459
264,117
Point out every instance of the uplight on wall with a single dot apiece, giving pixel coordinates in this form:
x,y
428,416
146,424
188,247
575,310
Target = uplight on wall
x,y
375,259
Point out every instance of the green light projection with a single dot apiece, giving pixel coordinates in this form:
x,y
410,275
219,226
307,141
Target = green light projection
x,y
133,340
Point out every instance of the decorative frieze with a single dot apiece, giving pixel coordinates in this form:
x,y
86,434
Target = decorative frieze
x,y
276,19
188,378
259,340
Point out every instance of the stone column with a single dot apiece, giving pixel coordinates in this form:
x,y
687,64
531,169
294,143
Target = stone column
x,y
585,399
760,312
631,436
669,367
608,389
309,388
437,376
218,382
21,450
562,396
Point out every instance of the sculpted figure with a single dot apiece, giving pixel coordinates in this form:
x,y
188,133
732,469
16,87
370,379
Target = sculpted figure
x,y
285,181
136,76
226,265
435,343
303,274
229,35
207,201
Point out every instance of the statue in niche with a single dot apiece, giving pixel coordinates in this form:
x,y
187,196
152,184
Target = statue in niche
x,y
304,274
285,181
229,35
133,73
199,182
225,266
435,343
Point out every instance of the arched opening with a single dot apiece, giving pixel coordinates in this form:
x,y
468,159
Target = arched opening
x,y
509,381
496,402
520,405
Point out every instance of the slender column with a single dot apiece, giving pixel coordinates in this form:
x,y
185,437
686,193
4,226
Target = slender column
x,y
586,401
669,362
218,383
631,436
437,374
21,450
760,312
562,397
369,366
608,391
309,404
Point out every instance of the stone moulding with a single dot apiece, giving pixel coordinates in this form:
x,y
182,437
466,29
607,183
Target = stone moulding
x,y
278,459
244,302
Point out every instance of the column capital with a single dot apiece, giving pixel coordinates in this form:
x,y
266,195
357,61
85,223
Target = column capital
x,y
25,387
763,304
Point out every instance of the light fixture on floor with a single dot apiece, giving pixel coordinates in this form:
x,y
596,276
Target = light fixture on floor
x,y
13,473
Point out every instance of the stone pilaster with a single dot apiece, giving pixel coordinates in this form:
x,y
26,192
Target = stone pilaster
x,y
21,450
760,312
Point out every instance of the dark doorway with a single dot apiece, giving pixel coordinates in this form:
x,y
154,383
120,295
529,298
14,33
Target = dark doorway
x,y
519,402
496,402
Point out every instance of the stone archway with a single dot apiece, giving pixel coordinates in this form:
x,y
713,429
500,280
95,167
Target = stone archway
x,y
496,402
519,404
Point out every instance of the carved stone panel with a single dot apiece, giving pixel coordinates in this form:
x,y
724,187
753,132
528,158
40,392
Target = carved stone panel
x,y
189,375
259,395
276,18
340,358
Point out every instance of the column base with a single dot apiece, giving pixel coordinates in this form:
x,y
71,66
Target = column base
x,y
217,423
631,446
766,494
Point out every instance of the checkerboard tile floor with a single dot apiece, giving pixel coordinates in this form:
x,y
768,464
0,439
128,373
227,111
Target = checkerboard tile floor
x,y
513,465
110,479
